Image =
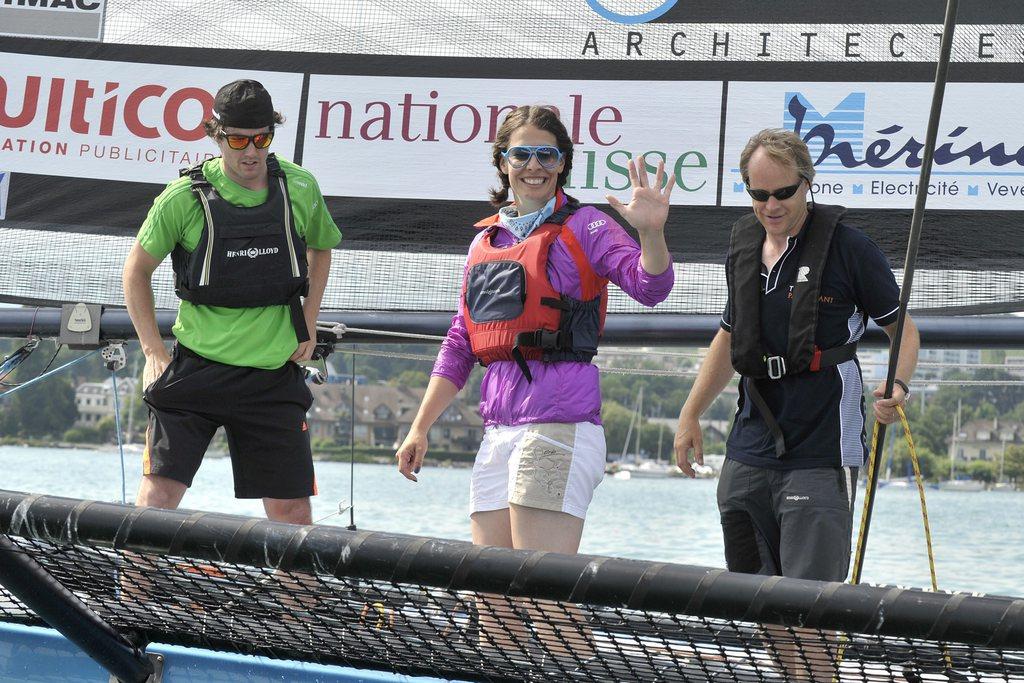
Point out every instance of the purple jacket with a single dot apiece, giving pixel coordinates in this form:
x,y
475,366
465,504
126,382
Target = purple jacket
x,y
565,391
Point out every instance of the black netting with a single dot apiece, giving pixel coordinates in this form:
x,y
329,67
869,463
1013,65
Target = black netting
x,y
419,605
418,630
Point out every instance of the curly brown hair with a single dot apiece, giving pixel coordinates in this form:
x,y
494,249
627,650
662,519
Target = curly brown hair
x,y
214,128
542,117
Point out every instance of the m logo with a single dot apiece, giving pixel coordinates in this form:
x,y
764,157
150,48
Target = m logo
x,y
657,9
846,121
802,273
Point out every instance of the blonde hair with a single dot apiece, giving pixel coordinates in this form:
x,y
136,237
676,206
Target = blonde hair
x,y
781,145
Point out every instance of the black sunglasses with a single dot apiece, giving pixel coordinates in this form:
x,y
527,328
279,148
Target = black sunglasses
x,y
780,194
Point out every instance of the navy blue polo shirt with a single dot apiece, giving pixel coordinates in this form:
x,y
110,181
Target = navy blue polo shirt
x,y
821,414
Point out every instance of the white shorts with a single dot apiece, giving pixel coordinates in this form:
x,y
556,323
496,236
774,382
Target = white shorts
x,y
551,466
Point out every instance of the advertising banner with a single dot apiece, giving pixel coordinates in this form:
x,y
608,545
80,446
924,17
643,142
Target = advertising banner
x,y
431,138
111,120
78,19
867,141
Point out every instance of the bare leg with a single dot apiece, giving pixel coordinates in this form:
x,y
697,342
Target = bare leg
x,y
499,625
290,510
560,532
160,492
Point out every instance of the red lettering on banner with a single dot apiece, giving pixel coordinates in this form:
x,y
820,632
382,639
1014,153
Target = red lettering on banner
x,y
384,121
28,104
53,106
577,105
112,111
407,105
419,120
325,111
495,117
83,93
172,110
109,110
131,110
449,117
595,119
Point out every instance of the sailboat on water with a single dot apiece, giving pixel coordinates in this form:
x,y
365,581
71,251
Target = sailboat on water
x,y
630,465
954,484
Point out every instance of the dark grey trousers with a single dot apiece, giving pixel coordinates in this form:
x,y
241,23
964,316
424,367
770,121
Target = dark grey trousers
x,y
795,523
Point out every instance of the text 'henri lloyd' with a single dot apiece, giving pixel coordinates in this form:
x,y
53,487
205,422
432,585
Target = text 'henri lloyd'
x,y
252,253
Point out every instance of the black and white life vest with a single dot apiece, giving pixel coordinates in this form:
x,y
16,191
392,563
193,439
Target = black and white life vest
x,y
246,256
747,352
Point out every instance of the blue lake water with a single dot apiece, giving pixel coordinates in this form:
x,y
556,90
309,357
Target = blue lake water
x,y
978,537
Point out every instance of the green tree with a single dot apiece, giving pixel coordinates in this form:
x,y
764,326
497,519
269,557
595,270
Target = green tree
x,y
411,378
1013,465
45,409
983,470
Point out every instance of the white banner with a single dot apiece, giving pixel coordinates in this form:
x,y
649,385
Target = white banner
x,y
118,120
867,140
430,138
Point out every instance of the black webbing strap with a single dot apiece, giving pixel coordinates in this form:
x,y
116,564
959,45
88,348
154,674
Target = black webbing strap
x,y
465,564
826,358
181,534
238,538
73,520
517,356
292,548
125,528
518,583
405,561
766,415
298,318
582,585
639,592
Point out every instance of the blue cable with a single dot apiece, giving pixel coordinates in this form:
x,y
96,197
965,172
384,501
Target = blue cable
x,y
45,375
117,428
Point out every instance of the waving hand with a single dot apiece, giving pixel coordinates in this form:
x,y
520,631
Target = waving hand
x,y
647,209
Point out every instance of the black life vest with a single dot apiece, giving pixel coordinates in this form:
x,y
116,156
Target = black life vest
x,y
744,279
246,256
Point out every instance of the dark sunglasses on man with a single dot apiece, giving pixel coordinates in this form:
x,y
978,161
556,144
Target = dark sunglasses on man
x,y
781,194
548,156
240,142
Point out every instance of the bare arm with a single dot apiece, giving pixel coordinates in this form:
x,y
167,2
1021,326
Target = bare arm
x,y
715,372
319,261
439,395
138,295
885,408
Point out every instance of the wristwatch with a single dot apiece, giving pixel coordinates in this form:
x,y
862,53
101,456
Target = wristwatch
x,y
906,389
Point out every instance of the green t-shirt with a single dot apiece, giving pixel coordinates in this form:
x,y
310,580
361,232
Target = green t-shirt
x,y
252,337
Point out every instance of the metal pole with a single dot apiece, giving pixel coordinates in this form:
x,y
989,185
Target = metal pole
x,y
908,269
64,611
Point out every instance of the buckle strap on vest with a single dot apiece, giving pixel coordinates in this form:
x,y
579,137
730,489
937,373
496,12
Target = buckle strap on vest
x,y
766,415
828,357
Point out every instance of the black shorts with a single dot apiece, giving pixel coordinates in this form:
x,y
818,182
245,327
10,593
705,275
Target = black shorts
x,y
263,413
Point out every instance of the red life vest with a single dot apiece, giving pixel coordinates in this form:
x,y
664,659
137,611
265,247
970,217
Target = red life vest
x,y
513,312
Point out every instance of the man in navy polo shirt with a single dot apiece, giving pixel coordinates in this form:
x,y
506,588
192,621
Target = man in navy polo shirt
x,y
801,288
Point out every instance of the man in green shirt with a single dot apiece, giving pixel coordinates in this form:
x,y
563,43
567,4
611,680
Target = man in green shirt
x,y
250,239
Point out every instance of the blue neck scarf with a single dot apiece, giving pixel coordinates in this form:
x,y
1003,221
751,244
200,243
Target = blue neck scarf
x,y
522,226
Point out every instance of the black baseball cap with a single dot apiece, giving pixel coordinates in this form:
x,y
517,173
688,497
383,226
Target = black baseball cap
x,y
243,104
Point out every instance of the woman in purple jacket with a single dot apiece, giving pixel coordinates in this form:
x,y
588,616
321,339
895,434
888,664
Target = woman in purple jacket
x,y
543,450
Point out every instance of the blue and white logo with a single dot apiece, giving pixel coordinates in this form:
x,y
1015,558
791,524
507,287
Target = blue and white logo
x,y
659,8
846,121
